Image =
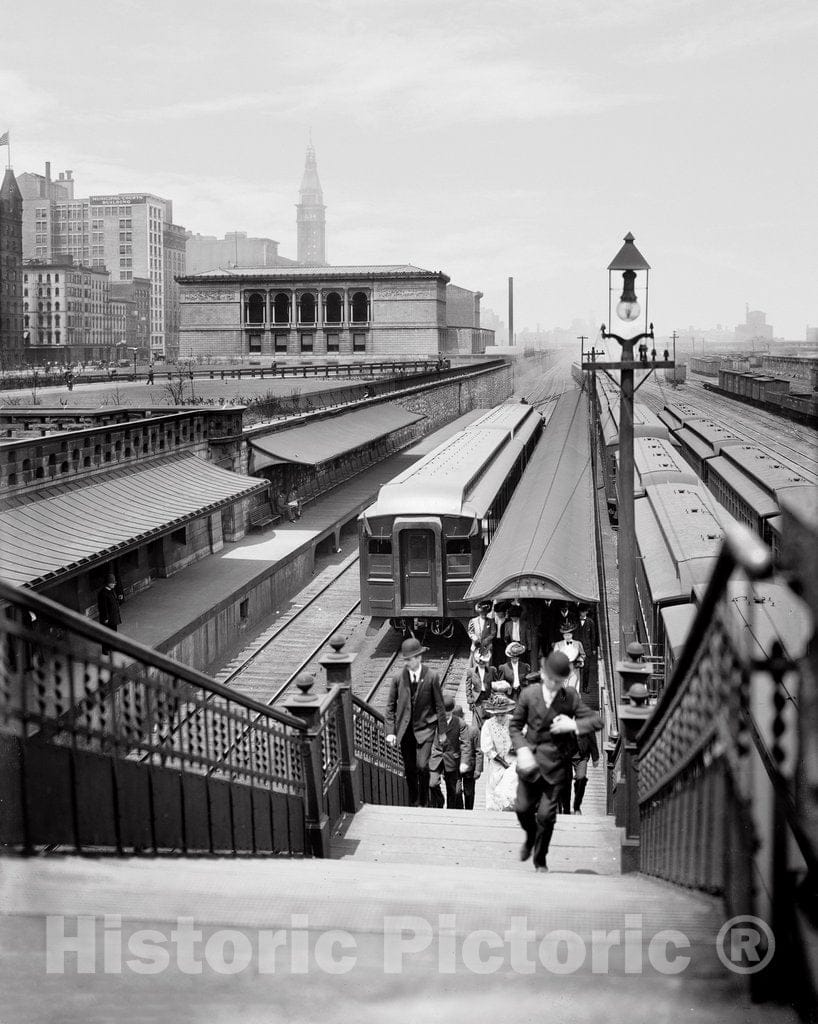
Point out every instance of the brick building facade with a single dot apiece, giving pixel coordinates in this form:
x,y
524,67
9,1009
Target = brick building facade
x,y
11,277
375,312
67,312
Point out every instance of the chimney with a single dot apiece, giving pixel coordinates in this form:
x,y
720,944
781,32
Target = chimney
x,y
68,174
62,176
48,170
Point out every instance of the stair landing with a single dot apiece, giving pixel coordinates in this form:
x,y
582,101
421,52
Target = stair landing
x,y
415,936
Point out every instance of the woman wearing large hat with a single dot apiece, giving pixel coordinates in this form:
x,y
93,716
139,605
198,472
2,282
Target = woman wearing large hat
x,y
500,760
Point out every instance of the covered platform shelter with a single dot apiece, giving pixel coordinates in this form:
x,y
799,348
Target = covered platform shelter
x,y
137,522
543,552
324,451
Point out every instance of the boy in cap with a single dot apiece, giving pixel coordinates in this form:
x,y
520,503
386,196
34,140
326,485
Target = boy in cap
x,y
472,757
414,712
451,763
552,717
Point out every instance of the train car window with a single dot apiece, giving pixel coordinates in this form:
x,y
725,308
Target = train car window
x,y
458,546
380,546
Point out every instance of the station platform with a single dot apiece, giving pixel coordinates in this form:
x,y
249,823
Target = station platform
x,y
173,608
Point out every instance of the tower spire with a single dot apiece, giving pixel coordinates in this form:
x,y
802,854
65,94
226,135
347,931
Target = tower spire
x,y
310,218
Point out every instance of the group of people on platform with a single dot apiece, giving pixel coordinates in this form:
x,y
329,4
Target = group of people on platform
x,y
530,731
288,503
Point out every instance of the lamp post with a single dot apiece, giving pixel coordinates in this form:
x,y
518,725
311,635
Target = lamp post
x,y
630,263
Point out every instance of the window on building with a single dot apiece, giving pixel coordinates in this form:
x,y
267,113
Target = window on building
x,y
360,308
280,344
254,308
333,343
333,308
306,308
359,342
307,342
254,343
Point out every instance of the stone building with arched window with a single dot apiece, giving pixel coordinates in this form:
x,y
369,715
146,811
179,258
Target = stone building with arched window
x,y
369,312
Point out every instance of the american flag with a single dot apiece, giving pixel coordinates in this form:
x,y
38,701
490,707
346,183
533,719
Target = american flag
x,y
4,139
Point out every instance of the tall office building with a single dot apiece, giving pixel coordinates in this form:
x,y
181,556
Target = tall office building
x,y
11,277
130,234
310,217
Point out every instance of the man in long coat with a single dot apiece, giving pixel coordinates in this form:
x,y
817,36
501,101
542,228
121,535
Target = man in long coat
x,y
555,716
414,711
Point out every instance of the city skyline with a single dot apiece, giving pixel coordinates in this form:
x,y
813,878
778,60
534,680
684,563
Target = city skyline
x,y
487,148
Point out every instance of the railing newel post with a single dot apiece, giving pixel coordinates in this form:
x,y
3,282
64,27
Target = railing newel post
x,y
338,668
307,707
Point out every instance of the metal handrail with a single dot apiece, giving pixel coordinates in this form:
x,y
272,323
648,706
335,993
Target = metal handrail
x,y
93,631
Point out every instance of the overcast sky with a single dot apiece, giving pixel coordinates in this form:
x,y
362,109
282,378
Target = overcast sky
x,y
481,138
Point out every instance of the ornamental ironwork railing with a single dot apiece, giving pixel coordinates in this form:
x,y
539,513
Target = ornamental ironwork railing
x,y
721,759
107,746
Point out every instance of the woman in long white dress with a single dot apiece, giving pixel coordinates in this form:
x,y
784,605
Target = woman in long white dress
x,y
495,743
574,652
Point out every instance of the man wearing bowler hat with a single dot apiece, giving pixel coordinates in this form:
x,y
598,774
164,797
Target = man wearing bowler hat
x,y
414,711
554,715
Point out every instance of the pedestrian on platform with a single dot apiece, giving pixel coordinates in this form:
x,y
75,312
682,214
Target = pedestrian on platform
x,y
280,500
473,759
586,635
588,749
514,670
573,651
481,630
544,727
108,606
498,755
414,712
293,504
450,763
498,644
480,685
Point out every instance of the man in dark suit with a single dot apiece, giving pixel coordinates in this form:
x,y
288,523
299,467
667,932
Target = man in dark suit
x,y
555,716
586,634
108,606
451,763
480,685
414,710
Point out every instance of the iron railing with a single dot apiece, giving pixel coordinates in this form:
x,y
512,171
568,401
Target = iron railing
x,y
109,747
718,760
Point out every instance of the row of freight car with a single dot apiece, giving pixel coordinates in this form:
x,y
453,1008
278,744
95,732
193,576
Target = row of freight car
x,y
771,393
692,478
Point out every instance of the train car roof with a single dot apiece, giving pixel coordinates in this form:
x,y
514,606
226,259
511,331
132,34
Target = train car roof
x,y
713,433
679,531
656,461
760,501
446,481
544,546
645,421
768,471
686,437
678,620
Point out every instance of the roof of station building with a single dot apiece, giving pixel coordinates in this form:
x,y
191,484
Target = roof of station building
x,y
388,270
71,525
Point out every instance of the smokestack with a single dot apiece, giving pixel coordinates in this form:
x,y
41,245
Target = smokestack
x,y
511,311
48,170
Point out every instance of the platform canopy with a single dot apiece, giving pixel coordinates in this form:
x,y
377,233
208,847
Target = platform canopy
x,y
325,439
545,547
77,523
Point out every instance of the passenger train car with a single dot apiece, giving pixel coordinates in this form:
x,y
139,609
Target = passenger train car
x,y
745,478
423,539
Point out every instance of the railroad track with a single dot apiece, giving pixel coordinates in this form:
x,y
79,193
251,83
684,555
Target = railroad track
x,y
265,671
767,432
446,658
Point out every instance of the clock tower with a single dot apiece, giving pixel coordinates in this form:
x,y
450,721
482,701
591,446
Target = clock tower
x,y
310,217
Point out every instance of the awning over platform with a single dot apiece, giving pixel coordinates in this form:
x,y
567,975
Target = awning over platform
x,y
310,444
545,546
62,527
